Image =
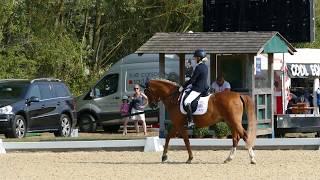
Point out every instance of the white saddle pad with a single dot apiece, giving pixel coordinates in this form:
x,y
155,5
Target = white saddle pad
x,y
202,105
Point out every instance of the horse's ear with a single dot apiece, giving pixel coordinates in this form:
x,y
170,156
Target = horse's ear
x,y
143,86
147,82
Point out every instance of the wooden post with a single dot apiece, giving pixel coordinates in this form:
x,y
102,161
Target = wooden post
x,y
251,75
161,65
218,65
213,67
182,67
271,84
162,111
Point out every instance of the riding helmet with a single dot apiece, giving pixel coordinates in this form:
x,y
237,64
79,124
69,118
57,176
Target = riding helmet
x,y
200,53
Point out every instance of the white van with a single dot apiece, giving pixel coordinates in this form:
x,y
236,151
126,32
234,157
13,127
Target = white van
x,y
100,106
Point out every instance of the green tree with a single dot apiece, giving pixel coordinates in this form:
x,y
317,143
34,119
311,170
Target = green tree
x,y
77,41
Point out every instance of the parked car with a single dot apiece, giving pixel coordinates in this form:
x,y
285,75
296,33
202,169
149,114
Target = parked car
x,y
100,105
38,105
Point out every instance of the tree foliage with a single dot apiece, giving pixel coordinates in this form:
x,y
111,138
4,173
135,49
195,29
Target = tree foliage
x,y
77,41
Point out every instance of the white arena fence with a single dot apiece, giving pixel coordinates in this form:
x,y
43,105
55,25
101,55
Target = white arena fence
x,y
153,144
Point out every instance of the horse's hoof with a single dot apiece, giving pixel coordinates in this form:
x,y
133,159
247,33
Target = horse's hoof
x,y
189,160
253,161
164,158
227,160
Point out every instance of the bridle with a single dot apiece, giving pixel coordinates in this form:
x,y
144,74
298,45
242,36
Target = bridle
x,y
149,92
169,98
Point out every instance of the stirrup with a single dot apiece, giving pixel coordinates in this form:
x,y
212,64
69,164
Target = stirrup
x,y
190,124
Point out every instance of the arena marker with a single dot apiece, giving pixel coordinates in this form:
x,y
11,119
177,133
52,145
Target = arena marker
x,y
2,149
153,144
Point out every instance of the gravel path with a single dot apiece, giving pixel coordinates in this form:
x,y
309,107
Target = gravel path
x,y
207,164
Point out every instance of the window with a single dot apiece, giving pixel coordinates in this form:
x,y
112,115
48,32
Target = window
x,y
231,67
108,85
34,91
45,91
61,90
12,90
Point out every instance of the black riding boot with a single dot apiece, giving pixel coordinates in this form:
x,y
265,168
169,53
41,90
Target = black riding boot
x,y
189,115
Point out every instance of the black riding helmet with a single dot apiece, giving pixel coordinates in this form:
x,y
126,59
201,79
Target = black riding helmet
x,y
200,53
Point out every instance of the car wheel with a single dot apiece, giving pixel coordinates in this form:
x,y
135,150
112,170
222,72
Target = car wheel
x,y
7,135
65,126
18,128
113,128
87,123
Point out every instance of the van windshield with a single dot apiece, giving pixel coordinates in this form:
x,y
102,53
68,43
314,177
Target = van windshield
x,y
12,90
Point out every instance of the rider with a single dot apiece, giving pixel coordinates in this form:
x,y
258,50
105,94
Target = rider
x,y
198,81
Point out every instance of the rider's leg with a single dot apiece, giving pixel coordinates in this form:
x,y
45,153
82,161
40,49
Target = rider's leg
x,y
189,113
193,95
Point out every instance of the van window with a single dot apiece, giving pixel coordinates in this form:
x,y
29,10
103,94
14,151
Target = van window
x,y
108,85
34,92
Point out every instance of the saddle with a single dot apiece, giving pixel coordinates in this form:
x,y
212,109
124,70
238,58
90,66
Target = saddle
x,y
199,105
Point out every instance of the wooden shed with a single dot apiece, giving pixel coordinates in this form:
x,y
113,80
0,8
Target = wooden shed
x,y
233,54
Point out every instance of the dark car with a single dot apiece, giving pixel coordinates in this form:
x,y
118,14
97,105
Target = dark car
x,y
39,105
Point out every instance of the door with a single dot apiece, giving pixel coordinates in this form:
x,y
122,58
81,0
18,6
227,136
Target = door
x,y
51,115
107,97
43,114
63,101
35,110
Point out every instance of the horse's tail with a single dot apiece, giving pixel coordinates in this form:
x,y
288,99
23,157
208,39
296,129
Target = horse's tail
x,y
252,122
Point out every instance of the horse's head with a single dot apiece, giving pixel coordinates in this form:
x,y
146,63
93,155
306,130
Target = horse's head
x,y
157,90
153,98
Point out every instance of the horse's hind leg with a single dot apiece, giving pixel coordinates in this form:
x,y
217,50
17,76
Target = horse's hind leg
x,y
244,135
235,141
250,150
171,133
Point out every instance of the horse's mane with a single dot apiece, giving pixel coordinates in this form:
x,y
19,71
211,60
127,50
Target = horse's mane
x,y
167,81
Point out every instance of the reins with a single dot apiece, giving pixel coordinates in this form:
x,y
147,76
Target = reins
x,y
170,97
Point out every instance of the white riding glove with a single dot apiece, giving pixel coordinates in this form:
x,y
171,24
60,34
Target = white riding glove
x,y
180,89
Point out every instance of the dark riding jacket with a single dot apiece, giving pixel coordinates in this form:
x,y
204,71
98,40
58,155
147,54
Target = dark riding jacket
x,y
199,79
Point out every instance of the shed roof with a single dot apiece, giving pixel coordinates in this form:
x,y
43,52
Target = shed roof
x,y
217,43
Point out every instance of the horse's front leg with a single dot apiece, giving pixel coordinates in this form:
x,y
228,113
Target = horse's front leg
x,y
185,136
252,156
235,141
171,134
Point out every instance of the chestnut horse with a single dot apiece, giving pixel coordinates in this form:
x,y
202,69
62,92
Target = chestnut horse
x,y
228,106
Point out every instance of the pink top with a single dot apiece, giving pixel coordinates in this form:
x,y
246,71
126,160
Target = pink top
x,y
124,109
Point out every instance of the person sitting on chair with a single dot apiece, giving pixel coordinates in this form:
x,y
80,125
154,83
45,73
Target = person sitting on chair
x,y
198,81
220,85
304,101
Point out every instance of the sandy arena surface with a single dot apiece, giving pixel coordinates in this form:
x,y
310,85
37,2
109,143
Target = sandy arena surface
x,y
207,164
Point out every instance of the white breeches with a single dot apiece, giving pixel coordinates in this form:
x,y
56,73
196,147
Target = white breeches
x,y
193,95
